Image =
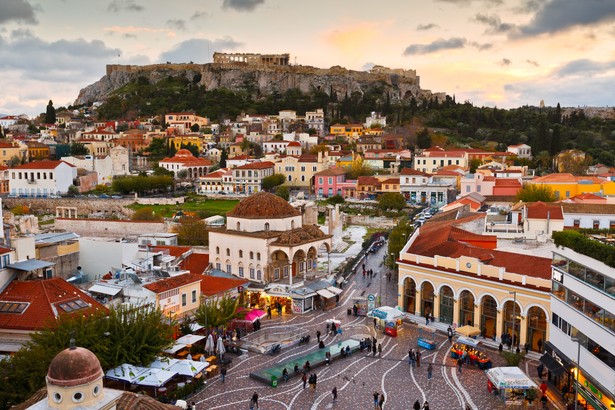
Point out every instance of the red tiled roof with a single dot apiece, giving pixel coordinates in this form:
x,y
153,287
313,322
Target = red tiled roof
x,y
214,285
540,210
334,171
489,178
294,144
173,283
6,145
508,182
42,165
196,263
391,181
240,157
176,251
257,165
563,177
367,180
44,297
410,171
185,157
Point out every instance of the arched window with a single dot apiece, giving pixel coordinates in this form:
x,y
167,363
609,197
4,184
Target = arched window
x,y
240,253
251,255
266,226
238,226
228,252
217,250
258,256
292,224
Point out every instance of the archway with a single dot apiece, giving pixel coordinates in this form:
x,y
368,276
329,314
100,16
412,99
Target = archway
x,y
299,263
280,265
488,316
536,328
312,259
409,295
466,308
426,298
447,303
511,315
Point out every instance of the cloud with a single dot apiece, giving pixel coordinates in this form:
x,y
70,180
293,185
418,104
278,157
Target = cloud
x,y
133,30
129,35
198,50
528,6
505,62
199,14
561,15
177,24
481,46
423,27
584,68
533,62
368,66
117,6
242,5
494,23
17,10
437,45
468,2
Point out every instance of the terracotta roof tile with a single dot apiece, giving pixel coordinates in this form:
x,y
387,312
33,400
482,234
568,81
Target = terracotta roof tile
x,y
257,165
214,285
263,205
42,165
44,297
334,171
196,263
596,209
540,210
411,171
173,283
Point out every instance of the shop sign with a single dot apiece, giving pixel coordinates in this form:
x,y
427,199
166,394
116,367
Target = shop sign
x,y
371,302
557,276
297,305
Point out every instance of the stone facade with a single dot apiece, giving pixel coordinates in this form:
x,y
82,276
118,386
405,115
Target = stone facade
x,y
110,228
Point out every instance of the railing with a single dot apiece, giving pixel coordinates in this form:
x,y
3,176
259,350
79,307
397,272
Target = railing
x,y
503,228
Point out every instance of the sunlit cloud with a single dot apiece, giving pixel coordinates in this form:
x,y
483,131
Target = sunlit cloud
x,y
137,30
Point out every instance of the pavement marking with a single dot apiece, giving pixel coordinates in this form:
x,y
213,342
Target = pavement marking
x,y
382,381
447,380
417,384
463,391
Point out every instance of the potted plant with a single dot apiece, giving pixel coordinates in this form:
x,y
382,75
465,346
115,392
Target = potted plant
x,y
531,395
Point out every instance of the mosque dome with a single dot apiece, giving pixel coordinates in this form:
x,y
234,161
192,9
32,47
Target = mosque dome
x,y
73,367
263,205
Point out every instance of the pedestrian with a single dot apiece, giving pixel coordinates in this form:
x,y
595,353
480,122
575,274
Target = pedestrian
x,y
315,380
222,373
328,358
543,388
285,374
527,348
459,364
374,349
410,356
381,402
413,358
417,405
375,323
376,397
449,333
500,347
269,311
426,319
518,351
544,400
540,369
318,335
255,400
379,350
333,329
363,266
426,406
334,393
429,373
418,358
304,380
539,343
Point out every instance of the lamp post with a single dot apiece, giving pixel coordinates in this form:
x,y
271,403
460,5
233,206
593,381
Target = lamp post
x,y
577,340
328,262
514,293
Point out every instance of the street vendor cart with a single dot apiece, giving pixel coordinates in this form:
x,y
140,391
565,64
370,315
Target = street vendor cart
x,y
387,318
510,384
469,349
427,338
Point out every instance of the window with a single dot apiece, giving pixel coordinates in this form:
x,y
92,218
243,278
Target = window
x,y
241,271
239,226
330,181
319,179
286,270
228,252
259,275
567,194
228,269
266,227
218,266
258,256
478,187
184,299
240,253
251,273
576,223
194,296
596,224
276,274
251,255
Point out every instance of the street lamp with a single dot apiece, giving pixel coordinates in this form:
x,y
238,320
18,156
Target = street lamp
x,y
577,340
513,292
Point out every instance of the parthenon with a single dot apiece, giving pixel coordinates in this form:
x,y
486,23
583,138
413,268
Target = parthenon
x,y
252,59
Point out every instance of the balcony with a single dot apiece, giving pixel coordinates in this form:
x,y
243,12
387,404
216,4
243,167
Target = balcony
x,y
31,181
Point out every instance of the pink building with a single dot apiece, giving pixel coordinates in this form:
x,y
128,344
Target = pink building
x,y
332,182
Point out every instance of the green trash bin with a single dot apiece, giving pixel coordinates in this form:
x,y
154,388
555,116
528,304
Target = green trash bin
x,y
274,381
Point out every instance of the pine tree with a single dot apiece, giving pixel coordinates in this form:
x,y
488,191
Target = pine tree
x,y
50,115
223,158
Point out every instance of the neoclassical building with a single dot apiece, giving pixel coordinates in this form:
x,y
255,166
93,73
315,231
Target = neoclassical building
x,y
460,278
265,241
184,160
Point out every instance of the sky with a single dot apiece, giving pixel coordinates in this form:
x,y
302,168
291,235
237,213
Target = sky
x,y
504,53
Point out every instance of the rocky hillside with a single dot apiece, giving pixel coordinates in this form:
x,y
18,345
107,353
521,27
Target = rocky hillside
x,y
398,84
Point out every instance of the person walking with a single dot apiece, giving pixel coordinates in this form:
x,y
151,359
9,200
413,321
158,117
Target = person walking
x,y
222,374
254,400
540,369
410,357
417,405
304,380
285,374
449,333
374,349
426,406
459,365
269,312
318,336
418,358
376,397
501,347
426,319
379,350
381,402
334,393
429,374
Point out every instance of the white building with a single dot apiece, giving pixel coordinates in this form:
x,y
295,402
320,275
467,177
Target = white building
x,y
216,182
582,329
185,161
432,159
375,119
589,216
316,120
275,146
248,179
8,121
115,164
520,150
421,188
41,178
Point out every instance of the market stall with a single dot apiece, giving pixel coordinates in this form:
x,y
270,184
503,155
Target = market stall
x,y
510,383
473,354
359,306
427,338
387,318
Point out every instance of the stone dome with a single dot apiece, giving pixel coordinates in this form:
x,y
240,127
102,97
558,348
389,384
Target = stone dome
x,y
184,153
263,205
73,367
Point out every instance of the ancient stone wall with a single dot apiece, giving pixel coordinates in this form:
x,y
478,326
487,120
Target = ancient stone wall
x,y
110,229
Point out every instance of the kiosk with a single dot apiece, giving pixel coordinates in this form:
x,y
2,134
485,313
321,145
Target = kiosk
x,y
510,383
427,338
474,355
359,306
387,318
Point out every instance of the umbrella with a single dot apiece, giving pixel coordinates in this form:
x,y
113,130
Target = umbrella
x,y
182,404
188,368
163,363
125,373
190,339
255,314
155,377
468,330
209,344
220,346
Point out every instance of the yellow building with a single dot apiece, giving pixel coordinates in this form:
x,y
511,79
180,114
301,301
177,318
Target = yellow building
x,y
96,147
10,150
459,278
568,185
183,121
177,296
348,130
37,151
192,139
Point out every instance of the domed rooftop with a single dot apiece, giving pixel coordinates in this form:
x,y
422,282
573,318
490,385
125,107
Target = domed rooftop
x,y
184,153
73,367
263,205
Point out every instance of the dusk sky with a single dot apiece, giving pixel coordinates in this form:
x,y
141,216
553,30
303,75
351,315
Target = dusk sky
x,y
504,53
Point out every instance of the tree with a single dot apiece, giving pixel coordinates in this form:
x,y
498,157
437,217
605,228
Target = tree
x,y
573,162
191,231
423,139
474,164
535,193
336,199
397,239
282,192
145,214
183,174
358,168
158,148
195,128
159,171
391,200
272,181
77,148
215,312
223,158
50,114
73,191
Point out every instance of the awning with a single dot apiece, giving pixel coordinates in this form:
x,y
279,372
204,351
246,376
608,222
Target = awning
x,y
325,293
175,348
334,290
105,290
30,265
553,365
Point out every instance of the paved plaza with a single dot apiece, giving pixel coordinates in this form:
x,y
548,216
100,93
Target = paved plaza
x,y
357,377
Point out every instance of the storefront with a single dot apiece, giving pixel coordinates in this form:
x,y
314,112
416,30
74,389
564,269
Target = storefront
x,y
558,367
